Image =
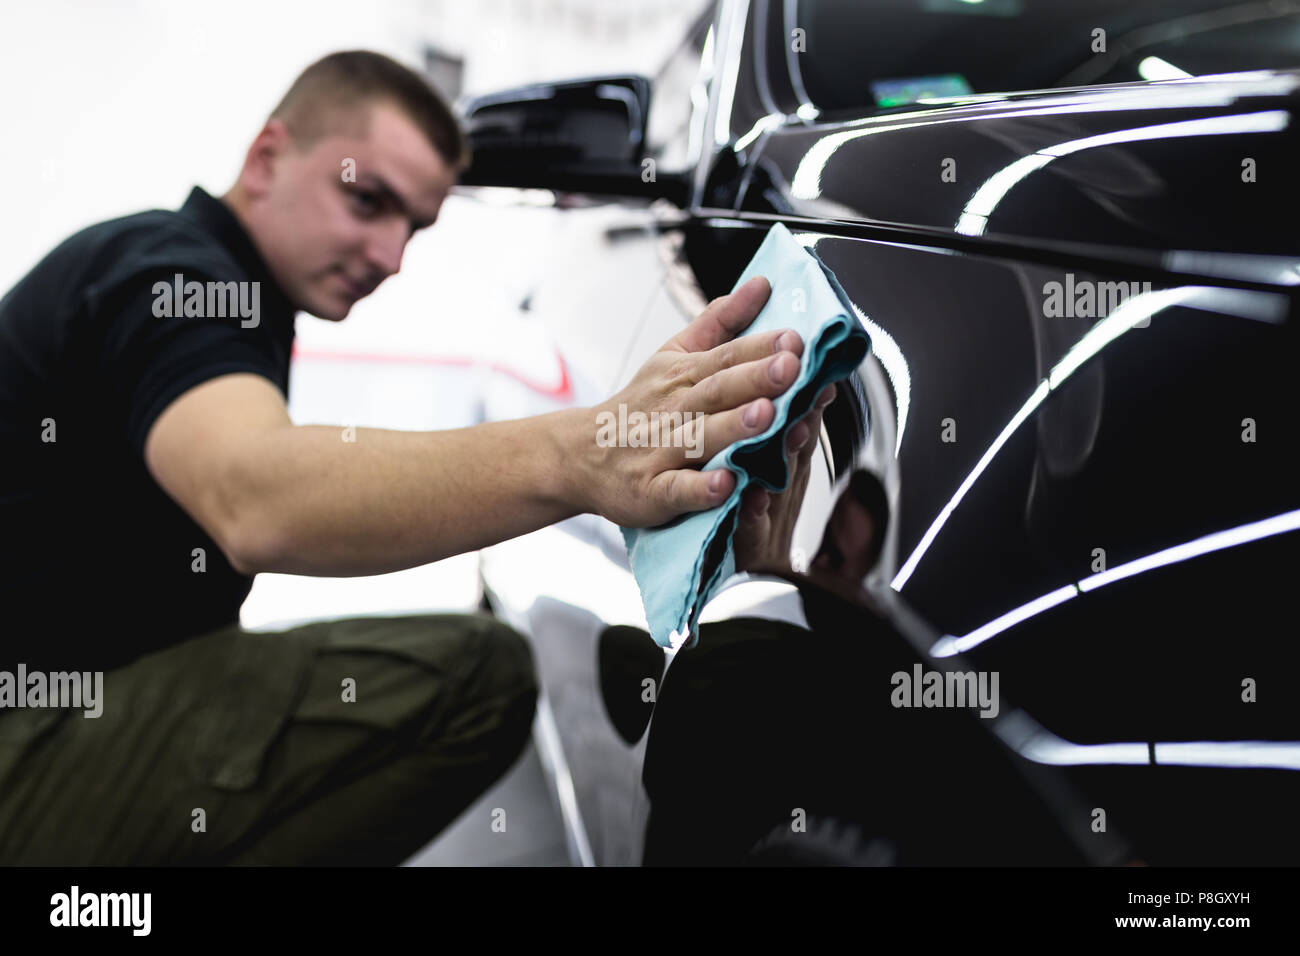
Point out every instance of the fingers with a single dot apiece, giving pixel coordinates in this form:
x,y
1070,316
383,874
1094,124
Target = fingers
x,y
782,509
800,448
796,439
756,500
754,503
748,348
721,429
686,489
805,444
731,388
724,319
725,428
801,441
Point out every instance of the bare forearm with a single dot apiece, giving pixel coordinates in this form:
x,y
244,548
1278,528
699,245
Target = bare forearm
x,y
322,500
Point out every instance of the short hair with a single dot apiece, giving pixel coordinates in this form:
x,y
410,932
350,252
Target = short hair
x,y
320,99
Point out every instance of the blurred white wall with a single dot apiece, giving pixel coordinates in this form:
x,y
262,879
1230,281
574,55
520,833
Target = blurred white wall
x,y
112,106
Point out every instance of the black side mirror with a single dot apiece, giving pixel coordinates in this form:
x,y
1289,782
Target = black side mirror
x,y
585,136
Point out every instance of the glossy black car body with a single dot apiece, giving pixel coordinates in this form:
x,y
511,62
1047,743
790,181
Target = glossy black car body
x,y
1081,404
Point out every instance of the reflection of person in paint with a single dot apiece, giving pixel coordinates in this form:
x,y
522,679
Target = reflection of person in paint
x,y
851,543
854,534
853,538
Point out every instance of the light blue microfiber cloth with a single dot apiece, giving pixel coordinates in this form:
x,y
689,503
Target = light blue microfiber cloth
x,y
680,565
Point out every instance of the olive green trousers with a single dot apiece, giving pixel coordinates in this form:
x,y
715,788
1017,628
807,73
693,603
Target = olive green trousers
x,y
350,742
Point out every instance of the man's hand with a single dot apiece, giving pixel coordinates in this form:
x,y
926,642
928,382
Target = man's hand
x,y
720,388
766,524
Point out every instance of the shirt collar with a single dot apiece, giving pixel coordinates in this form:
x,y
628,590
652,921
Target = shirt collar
x,y
218,219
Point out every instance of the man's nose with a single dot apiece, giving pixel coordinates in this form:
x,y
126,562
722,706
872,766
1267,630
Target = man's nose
x,y
384,249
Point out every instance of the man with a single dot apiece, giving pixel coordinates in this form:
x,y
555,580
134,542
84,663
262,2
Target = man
x,y
152,470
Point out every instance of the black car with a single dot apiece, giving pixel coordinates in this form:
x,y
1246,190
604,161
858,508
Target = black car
x,y
1069,229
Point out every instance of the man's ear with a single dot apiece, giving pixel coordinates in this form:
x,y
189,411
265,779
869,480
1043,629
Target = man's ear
x,y
264,154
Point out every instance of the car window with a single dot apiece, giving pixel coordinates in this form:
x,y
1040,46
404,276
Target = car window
x,y
858,56
1239,38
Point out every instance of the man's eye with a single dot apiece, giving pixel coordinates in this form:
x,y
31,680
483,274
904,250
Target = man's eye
x,y
366,203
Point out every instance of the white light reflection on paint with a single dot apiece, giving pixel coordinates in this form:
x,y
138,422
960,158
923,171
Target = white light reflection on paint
x,y
765,123
808,173
1130,313
918,552
1242,534
1034,742
949,645
1274,754
1154,68
974,218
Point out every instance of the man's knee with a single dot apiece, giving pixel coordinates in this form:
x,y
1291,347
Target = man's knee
x,y
459,689
514,682
497,696
511,658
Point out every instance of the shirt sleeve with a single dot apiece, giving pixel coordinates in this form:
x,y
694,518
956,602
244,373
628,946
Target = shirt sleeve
x,y
148,360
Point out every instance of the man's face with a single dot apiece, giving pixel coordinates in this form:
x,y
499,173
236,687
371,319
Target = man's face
x,y
329,240
847,544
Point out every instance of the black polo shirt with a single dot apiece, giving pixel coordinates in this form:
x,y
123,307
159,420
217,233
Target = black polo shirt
x,y
97,564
